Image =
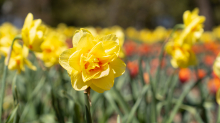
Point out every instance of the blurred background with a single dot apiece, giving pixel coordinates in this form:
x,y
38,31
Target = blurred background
x,y
104,13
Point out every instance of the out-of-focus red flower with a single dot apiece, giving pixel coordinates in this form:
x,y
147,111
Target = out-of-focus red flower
x,y
184,75
155,63
209,60
133,68
214,85
212,46
197,49
143,49
201,73
146,78
130,48
156,49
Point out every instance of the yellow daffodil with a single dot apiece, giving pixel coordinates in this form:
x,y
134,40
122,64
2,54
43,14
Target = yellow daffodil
x,y
19,58
52,47
216,66
93,61
182,56
132,33
7,34
33,33
64,29
193,27
160,34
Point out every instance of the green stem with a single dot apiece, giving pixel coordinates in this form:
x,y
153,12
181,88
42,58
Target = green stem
x,y
137,103
87,105
180,100
4,78
204,113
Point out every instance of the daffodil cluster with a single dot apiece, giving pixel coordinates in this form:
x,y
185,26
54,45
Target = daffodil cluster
x,y
53,45
148,36
93,61
180,48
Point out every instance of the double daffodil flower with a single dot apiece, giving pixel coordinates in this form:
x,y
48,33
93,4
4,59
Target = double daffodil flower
x,y
180,48
193,27
93,61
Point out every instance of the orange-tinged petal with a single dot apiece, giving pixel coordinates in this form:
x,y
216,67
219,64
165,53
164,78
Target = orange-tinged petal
x,y
77,82
64,59
97,89
104,72
106,82
118,67
86,76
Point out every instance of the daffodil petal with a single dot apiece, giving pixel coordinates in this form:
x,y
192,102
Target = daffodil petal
x,y
64,59
85,43
89,75
77,82
97,89
98,50
105,72
74,60
25,51
28,20
111,47
77,36
106,82
110,37
30,65
118,67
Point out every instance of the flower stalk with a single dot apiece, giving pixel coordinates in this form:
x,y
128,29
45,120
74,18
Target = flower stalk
x,y
4,77
87,105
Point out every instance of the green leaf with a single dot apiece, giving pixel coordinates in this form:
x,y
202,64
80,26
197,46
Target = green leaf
x,y
13,115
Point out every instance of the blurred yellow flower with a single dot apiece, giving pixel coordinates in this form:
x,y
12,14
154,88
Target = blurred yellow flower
x,y
216,66
93,61
19,58
64,29
193,27
132,33
33,33
182,56
7,34
52,47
